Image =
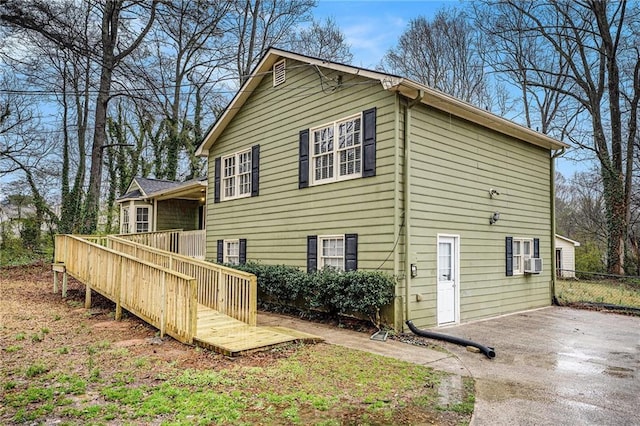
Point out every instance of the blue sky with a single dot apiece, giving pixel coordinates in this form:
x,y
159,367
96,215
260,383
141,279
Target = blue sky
x,y
372,27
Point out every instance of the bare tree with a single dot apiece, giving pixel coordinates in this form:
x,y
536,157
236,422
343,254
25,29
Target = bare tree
x,y
518,58
324,40
594,45
443,54
56,21
257,25
181,54
16,119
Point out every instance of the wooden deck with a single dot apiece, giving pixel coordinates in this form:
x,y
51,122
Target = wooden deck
x,y
231,337
193,301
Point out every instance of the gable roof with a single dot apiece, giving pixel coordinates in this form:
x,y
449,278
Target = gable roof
x,y
142,188
575,243
392,83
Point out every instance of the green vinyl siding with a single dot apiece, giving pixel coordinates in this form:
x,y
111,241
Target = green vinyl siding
x,y
454,164
277,222
177,214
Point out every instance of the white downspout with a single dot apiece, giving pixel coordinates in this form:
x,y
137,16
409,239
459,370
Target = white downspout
x,y
407,198
553,222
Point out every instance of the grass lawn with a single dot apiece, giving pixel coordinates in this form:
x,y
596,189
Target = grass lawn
x,y
63,364
610,292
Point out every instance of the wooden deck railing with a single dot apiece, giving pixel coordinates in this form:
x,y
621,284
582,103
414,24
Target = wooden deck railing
x,y
192,243
187,243
163,297
163,240
228,291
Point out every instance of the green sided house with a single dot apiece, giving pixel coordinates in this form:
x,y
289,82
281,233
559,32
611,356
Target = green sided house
x,y
318,164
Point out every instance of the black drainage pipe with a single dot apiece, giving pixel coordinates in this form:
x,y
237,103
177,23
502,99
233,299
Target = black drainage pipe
x,y
489,352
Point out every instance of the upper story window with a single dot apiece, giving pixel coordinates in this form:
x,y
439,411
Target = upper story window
x,y
336,150
236,175
341,150
142,219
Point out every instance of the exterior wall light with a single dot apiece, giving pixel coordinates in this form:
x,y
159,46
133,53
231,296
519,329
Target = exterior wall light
x,y
494,218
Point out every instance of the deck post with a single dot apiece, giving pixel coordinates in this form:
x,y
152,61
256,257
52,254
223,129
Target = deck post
x,y
55,281
57,269
163,304
252,301
222,292
193,310
87,296
64,283
118,314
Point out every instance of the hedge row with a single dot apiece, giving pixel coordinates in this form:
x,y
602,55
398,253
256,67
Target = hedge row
x,y
360,293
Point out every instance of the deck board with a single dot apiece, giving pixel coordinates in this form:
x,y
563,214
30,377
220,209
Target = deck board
x,y
232,337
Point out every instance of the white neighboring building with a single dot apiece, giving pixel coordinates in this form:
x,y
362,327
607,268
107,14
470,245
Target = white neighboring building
x,y
565,257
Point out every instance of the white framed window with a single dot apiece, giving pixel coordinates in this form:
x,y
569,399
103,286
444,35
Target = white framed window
x,y
522,250
236,175
331,251
142,219
231,252
124,225
279,72
336,150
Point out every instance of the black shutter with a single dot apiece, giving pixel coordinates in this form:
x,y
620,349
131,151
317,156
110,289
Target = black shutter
x,y
220,252
255,170
536,247
242,258
312,253
303,173
509,255
351,252
369,142
216,181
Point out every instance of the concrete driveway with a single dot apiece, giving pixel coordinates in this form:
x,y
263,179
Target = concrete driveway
x,y
553,366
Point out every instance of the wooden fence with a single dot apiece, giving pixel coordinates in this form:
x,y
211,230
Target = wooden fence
x,y
228,291
163,297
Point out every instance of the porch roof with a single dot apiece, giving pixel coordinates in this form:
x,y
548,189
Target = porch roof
x,y
144,188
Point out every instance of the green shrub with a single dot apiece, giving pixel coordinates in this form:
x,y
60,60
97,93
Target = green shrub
x,y
589,259
359,293
280,282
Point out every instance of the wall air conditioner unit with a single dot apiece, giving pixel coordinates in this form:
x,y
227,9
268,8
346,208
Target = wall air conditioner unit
x,y
533,265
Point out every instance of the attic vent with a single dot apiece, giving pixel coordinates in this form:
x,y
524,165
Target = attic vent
x,y
279,73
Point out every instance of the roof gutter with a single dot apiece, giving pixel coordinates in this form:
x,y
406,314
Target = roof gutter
x,y
468,112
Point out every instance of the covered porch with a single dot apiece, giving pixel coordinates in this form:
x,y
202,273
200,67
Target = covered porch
x,y
151,205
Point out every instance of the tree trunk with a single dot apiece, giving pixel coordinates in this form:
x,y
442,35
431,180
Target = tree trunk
x,y
92,204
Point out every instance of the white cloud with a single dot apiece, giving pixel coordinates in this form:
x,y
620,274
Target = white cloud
x,y
372,37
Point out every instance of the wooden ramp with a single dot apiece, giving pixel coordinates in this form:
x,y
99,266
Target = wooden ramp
x,y
232,337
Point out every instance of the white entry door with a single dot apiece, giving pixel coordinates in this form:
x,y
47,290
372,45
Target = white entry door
x,y
447,280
